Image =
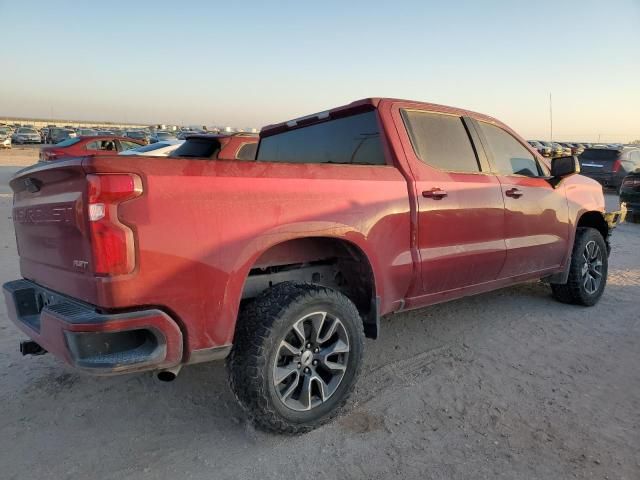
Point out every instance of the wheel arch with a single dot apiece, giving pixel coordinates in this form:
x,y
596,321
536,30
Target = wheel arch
x,y
594,219
588,219
334,261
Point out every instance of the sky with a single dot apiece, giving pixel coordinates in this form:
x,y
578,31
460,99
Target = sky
x,y
247,64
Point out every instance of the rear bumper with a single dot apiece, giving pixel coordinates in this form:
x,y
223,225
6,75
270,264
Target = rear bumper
x,y
95,342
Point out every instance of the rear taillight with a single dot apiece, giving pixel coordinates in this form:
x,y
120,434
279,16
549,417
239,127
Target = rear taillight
x,y
616,166
632,182
112,242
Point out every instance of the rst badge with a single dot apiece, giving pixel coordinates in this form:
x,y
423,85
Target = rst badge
x,y
80,264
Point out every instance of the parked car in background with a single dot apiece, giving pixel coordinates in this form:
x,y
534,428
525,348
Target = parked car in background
x,y
583,146
220,147
57,135
185,133
138,135
5,137
630,194
162,135
86,132
542,149
575,148
564,151
556,150
610,165
163,148
283,264
26,135
92,145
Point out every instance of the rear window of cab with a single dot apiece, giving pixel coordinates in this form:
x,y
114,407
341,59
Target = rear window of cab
x,y
353,140
68,142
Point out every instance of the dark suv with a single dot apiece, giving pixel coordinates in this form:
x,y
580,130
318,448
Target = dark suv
x,y
609,165
630,193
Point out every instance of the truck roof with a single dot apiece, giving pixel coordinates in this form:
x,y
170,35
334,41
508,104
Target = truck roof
x,y
367,104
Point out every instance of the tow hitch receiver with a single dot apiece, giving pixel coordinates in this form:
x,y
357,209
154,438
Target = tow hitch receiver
x,y
30,347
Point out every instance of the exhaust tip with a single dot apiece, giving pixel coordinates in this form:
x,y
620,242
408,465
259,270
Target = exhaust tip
x,y
169,375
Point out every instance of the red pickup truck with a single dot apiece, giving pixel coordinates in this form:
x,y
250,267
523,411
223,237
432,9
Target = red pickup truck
x,y
282,264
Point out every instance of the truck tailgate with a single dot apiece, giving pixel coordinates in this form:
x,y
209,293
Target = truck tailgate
x,y
49,218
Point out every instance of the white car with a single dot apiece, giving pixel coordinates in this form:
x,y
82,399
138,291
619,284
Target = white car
x,y
5,137
27,135
163,148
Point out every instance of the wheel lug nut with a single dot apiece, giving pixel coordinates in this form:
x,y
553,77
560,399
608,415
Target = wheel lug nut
x,y
306,370
316,350
308,345
315,362
299,365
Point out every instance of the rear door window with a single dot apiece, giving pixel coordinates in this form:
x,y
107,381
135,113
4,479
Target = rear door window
x,y
441,140
349,140
510,157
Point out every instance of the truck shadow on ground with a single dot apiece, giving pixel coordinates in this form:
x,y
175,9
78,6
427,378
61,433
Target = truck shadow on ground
x,y
200,401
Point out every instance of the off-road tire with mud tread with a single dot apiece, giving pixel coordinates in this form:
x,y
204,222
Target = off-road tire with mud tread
x,y
261,324
573,291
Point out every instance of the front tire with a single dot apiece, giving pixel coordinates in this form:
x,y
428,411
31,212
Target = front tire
x,y
296,356
587,272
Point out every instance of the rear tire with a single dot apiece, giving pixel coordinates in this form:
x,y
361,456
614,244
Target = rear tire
x,y
296,356
587,272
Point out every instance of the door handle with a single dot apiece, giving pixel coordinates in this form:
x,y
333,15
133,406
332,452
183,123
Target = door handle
x,y
513,193
435,193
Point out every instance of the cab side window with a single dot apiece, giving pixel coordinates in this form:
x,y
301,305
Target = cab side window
x,y
510,157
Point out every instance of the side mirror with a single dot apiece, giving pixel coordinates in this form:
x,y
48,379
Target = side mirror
x,y
565,166
562,167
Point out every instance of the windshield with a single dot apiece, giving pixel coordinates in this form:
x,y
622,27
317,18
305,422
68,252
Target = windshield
x,y
26,130
164,135
136,134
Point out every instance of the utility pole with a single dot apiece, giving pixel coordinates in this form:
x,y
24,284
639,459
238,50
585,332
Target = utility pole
x,y
550,117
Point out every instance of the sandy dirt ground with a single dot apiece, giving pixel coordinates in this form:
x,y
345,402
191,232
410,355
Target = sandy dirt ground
x,y
509,384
